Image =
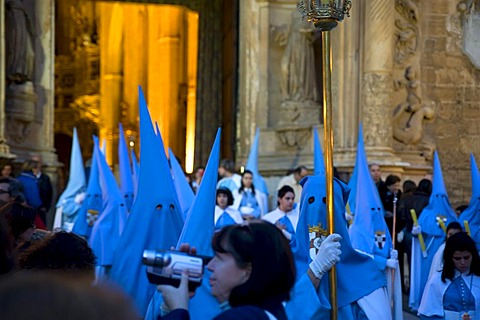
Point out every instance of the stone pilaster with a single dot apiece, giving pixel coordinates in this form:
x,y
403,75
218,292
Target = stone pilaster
x,y
377,81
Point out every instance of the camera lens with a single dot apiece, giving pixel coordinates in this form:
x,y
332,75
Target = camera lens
x,y
155,258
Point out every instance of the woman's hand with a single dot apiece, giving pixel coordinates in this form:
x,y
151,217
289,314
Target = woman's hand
x,y
176,298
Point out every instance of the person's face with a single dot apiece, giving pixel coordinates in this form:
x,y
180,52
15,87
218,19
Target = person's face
x,y
286,203
199,174
451,232
226,275
375,172
462,260
222,172
394,187
247,180
299,176
5,193
7,170
222,200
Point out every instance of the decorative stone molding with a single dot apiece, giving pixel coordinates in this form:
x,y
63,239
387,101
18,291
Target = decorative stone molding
x,y
294,137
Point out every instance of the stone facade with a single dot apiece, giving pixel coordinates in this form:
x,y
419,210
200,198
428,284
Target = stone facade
x,y
407,69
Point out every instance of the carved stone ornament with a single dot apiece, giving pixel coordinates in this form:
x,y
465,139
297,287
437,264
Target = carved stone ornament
x,y
294,137
20,109
407,32
471,27
409,116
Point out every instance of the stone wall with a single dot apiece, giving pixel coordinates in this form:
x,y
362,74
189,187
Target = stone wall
x,y
452,83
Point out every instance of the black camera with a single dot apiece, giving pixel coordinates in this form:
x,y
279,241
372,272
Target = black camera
x,y
166,267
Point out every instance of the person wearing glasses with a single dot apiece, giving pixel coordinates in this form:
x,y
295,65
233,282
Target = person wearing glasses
x,y
454,293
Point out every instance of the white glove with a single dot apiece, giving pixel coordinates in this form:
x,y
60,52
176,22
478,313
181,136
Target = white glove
x,y
416,230
287,234
392,263
394,254
79,198
400,236
328,254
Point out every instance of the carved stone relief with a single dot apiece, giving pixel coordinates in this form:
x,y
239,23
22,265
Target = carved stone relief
x,y
408,116
300,107
410,113
470,11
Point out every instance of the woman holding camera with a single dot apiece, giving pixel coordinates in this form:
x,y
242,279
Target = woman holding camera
x,y
252,273
454,293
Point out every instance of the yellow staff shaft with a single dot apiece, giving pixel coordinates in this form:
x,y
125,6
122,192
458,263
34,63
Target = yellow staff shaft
x,y
420,236
467,227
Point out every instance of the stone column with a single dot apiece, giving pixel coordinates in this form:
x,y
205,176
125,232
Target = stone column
x,y
4,149
377,80
134,65
111,78
346,68
164,61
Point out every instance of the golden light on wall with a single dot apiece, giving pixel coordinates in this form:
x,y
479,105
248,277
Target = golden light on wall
x,y
192,18
155,46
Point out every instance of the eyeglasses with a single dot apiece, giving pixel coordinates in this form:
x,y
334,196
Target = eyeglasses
x,y
4,191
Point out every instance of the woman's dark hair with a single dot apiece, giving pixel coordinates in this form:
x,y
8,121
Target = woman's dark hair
x,y
262,245
425,186
60,251
283,191
459,242
409,187
392,179
20,218
454,225
240,190
228,193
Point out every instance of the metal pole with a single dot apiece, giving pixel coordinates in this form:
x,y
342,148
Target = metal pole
x,y
328,142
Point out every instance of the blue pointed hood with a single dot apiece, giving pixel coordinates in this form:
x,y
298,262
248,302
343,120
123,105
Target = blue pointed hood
x,y
184,191
76,180
199,226
155,221
104,146
252,165
93,204
352,183
472,213
135,172
475,177
318,160
107,230
369,232
438,205
126,178
312,225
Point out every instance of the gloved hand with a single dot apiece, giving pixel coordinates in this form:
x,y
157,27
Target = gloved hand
x,y
79,198
348,216
400,236
416,230
392,263
328,254
394,254
287,234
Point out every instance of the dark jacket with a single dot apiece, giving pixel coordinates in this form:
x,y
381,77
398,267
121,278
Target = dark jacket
x,y
417,201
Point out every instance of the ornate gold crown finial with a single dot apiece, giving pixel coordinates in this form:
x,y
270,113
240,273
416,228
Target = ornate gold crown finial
x,y
319,229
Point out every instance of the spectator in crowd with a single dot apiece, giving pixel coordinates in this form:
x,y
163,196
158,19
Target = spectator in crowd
x,y
228,178
250,201
45,188
285,217
30,184
293,180
225,214
197,178
7,171
376,174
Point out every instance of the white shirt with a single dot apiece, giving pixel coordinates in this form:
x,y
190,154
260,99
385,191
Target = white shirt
x,y
275,215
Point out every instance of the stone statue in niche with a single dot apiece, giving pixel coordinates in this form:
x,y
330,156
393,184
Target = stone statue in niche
x,y
20,95
471,24
20,56
409,116
298,62
298,87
